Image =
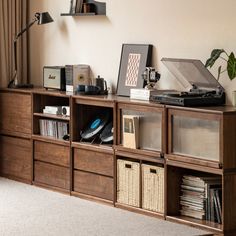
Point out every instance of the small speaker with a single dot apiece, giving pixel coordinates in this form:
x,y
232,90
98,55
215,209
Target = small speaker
x,y
65,111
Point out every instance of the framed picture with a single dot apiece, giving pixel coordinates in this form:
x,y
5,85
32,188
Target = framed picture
x,y
134,59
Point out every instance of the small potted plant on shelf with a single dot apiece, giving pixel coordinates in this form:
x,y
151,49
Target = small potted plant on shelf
x,y
229,59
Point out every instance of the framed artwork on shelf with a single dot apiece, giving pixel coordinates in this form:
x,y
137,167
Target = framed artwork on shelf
x,y
133,62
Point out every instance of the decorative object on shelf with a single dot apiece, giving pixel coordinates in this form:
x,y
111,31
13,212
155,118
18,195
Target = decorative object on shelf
x,y
134,59
77,75
102,84
41,18
95,126
54,77
131,131
151,77
231,62
200,87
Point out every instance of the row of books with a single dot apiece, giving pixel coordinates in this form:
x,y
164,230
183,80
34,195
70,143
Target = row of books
x,y
201,197
52,128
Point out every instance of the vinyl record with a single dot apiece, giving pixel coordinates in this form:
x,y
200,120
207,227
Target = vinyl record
x,y
106,135
95,126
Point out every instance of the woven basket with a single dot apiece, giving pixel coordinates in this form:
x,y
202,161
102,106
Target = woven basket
x,y
153,188
128,185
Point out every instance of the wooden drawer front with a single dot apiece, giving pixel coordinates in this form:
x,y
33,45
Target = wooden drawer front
x,y
51,153
52,175
15,110
93,161
92,184
15,157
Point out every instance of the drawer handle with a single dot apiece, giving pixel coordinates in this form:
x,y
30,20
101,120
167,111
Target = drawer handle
x,y
128,166
153,171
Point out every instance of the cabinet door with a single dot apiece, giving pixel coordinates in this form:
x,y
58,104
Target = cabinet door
x,y
150,126
15,157
15,110
194,134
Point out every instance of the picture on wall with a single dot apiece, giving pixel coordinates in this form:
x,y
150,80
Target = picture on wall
x,y
134,59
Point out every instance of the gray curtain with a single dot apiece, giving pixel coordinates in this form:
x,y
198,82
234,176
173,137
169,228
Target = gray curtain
x,y
13,17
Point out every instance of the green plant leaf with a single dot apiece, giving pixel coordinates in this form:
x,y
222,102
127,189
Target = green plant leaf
x,y
219,72
231,66
215,54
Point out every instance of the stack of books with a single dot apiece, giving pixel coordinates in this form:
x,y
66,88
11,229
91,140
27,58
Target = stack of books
x,y
201,197
52,128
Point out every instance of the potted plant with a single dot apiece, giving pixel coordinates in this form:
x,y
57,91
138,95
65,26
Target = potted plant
x,y
229,59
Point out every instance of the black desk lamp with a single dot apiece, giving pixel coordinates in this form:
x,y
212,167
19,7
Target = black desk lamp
x,y
41,18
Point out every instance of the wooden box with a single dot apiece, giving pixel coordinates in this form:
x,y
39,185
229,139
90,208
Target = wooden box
x,y
128,182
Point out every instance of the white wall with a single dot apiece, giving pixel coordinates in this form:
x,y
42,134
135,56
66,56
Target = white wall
x,y
176,28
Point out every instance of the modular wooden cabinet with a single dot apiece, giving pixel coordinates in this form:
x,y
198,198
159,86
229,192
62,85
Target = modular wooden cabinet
x,y
15,135
174,142
152,143
201,141
93,160
51,154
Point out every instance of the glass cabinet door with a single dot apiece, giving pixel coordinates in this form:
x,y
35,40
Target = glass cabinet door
x,y
150,129
195,136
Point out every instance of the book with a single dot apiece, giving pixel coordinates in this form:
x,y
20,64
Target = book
x,y
72,6
75,75
79,4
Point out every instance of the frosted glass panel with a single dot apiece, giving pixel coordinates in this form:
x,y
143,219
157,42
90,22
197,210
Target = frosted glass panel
x,y
196,137
150,129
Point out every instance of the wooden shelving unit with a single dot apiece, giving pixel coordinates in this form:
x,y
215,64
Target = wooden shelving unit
x,y
180,140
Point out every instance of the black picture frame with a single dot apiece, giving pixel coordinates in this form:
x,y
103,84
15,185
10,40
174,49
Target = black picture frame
x,y
133,62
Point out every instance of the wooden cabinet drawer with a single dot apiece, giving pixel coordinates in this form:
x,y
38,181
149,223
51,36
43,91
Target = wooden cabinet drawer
x,y
15,157
93,184
93,161
52,153
56,176
15,110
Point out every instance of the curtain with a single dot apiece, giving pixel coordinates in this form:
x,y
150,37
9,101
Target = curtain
x,y
13,17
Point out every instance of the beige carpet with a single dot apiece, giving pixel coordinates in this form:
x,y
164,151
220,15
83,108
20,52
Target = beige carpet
x,y
27,210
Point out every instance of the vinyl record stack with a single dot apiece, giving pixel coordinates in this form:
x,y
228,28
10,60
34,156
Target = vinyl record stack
x,y
201,197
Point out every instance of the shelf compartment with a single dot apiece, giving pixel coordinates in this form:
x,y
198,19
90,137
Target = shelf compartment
x,y
52,175
151,125
174,181
93,161
51,153
83,117
51,116
93,184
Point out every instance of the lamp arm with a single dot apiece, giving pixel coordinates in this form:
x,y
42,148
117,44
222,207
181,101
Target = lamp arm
x,y
27,27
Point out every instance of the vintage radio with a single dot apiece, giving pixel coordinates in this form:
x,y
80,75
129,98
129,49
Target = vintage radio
x,y
54,77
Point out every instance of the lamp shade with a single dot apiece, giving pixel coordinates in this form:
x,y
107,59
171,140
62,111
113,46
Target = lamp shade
x,y
43,18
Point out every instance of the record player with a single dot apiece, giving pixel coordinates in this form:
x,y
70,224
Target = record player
x,y
201,87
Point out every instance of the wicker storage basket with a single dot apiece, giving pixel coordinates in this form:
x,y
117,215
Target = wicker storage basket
x,y
128,185
153,188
